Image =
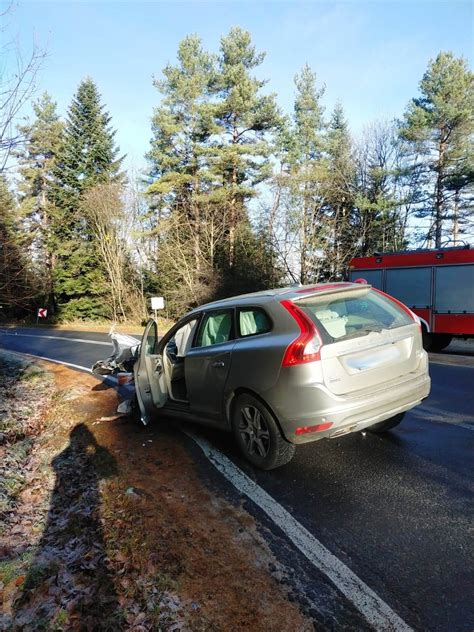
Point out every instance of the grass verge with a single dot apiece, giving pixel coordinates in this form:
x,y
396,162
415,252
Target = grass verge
x,y
25,394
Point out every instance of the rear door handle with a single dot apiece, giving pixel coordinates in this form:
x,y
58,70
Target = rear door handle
x,y
217,365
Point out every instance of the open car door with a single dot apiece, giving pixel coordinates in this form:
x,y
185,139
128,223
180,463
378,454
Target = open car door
x,y
150,383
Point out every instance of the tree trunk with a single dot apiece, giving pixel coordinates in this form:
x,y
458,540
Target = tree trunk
x,y
304,243
197,242
233,204
196,222
456,217
439,193
48,254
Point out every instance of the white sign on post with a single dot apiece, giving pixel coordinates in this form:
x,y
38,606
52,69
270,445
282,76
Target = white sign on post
x,y
42,312
157,302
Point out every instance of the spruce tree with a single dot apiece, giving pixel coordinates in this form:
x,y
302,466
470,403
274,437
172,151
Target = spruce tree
x,y
88,156
37,161
439,124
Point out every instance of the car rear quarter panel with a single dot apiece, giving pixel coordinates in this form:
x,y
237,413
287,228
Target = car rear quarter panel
x,y
256,360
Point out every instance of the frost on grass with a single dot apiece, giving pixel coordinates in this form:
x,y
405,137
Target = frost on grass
x,y
65,562
104,530
25,392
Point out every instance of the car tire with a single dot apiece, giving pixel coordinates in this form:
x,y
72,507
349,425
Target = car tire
x,y
435,342
258,435
427,339
388,424
440,341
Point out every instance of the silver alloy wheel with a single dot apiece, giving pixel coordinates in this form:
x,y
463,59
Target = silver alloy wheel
x,y
254,431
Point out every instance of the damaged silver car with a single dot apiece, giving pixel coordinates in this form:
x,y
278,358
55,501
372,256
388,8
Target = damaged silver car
x,y
286,366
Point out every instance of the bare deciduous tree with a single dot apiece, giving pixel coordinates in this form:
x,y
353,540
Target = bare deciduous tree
x,y
186,282
102,205
17,84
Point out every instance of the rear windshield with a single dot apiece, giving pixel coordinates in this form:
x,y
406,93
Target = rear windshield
x,y
354,314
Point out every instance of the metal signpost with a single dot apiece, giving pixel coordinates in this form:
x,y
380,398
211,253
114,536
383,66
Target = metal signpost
x,y
157,302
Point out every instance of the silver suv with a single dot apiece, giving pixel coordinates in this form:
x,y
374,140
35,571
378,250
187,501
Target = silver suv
x,y
287,366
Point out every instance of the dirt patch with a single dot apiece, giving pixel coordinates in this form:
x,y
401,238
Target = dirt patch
x,y
114,530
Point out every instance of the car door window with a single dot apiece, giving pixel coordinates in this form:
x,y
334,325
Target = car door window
x,y
180,343
253,321
151,340
216,328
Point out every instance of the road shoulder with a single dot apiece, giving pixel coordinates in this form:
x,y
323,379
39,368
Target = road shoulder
x,y
114,525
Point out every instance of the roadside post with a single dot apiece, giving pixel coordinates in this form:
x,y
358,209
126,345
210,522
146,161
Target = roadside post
x,y
157,302
41,313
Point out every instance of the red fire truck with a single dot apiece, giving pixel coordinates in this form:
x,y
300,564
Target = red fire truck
x,y
438,285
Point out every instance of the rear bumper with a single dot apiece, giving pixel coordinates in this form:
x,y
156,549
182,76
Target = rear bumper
x,y
313,404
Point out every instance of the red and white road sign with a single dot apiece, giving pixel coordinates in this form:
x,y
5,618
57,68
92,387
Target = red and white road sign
x,y
42,312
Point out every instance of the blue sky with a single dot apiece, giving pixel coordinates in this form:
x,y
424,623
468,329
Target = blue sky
x,y
371,56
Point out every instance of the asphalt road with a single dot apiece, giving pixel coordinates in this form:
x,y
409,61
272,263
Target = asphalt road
x,y
397,510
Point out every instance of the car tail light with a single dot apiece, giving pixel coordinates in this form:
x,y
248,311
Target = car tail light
x,y
317,428
406,309
417,321
307,347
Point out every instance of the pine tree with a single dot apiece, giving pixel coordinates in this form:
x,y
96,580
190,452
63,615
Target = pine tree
x,y
459,186
244,117
302,144
209,150
438,123
339,193
181,188
37,160
87,157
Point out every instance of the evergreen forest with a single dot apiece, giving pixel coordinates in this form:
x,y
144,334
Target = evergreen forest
x,y
237,195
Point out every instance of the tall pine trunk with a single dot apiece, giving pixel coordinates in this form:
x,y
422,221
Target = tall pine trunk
x,y
439,192
233,204
456,217
49,255
304,242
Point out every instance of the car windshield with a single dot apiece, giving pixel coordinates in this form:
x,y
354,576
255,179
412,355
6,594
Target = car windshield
x,y
353,314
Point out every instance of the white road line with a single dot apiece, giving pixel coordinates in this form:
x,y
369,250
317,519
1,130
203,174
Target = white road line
x,y
32,355
370,605
106,378
89,342
431,414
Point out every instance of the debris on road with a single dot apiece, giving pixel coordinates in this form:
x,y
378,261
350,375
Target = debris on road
x,y
122,359
111,418
125,407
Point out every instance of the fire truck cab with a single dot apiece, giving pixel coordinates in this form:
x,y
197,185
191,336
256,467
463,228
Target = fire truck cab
x,y
438,285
